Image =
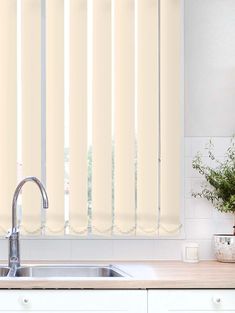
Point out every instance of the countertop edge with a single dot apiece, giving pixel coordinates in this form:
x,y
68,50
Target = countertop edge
x,y
131,284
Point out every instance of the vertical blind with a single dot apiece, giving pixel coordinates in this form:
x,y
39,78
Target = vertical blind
x,y
90,103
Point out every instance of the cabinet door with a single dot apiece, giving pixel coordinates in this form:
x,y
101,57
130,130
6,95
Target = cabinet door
x,y
81,301
191,301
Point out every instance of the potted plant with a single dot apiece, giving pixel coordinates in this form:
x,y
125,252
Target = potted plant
x,y
219,189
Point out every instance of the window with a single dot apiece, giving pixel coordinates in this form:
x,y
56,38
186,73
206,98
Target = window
x,y
90,104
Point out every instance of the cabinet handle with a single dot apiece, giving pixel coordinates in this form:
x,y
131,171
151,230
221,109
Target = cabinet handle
x,y
25,301
217,300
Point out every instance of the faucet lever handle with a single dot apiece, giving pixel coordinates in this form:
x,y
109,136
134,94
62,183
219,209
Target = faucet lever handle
x,y
8,234
11,232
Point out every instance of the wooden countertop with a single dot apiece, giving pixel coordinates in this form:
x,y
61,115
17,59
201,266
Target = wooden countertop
x,y
142,275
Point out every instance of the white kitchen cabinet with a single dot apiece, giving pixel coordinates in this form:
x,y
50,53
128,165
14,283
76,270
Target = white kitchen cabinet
x,y
81,301
191,301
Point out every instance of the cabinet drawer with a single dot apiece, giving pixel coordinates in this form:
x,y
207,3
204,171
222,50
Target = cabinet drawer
x,y
191,300
80,300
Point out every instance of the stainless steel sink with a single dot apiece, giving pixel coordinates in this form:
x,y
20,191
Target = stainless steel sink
x,y
69,271
4,271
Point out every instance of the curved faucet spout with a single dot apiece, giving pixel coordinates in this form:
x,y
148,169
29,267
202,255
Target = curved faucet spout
x,y
14,245
17,192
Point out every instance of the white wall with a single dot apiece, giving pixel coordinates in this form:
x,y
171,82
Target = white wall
x,y
209,111
209,67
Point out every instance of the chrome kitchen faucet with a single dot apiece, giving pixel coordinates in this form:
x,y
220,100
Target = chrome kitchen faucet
x,y
13,235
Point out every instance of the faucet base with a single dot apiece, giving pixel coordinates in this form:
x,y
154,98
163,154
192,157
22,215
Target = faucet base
x,y
14,249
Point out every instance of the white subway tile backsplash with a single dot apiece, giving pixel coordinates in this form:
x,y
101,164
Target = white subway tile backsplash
x,y
218,215
3,249
168,249
223,226
126,249
206,249
221,145
203,209
199,229
189,205
91,249
187,188
196,185
132,249
199,144
50,249
187,147
189,172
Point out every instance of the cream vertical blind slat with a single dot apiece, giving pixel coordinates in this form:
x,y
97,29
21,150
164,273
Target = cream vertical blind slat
x,y
124,77
31,113
78,118
170,116
148,118
102,119
55,115
8,105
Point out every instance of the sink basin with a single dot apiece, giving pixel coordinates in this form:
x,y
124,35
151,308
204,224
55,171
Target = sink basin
x,y
4,271
69,271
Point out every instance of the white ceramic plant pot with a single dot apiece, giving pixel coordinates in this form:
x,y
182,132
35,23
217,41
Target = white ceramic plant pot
x,y
224,246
